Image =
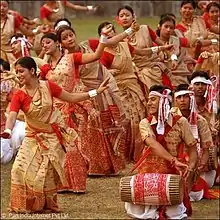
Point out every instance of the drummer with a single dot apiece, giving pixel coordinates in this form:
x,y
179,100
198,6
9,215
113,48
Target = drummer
x,y
186,106
162,138
206,93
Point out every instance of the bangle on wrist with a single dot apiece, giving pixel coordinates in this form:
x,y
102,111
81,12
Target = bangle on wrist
x,y
214,41
154,49
8,131
93,93
128,31
200,60
174,57
103,39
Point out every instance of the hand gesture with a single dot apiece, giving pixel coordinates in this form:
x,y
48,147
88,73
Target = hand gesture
x,y
135,26
181,167
107,29
103,85
205,55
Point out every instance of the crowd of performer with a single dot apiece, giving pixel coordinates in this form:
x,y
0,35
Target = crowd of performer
x,y
73,109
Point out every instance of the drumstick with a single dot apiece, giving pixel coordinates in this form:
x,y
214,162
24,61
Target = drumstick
x,y
146,153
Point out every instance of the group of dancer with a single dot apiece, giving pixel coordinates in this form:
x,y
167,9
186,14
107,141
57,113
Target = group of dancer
x,y
80,109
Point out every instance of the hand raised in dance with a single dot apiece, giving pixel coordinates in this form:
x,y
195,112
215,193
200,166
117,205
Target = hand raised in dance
x,y
135,26
205,55
103,85
107,29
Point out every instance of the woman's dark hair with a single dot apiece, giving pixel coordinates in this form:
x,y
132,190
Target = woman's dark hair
x,y
162,21
167,14
51,36
62,19
17,35
61,30
127,7
28,63
184,2
212,4
5,64
158,88
181,87
102,25
201,74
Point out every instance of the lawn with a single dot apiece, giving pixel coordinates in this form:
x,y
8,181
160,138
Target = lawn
x,y
101,200
86,29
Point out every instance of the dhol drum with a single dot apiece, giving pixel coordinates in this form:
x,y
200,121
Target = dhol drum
x,y
152,189
213,159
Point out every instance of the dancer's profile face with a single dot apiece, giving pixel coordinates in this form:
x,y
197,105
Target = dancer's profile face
x,y
153,104
68,39
125,18
16,47
49,45
182,102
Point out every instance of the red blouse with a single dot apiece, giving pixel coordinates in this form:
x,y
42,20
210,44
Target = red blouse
x,y
18,19
107,58
183,29
21,100
46,12
152,34
77,59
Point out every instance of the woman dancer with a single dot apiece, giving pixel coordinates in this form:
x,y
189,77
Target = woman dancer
x,y
106,135
68,80
150,70
178,66
195,28
118,58
38,167
53,10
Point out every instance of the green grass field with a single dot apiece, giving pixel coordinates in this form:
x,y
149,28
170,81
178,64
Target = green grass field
x,y
101,200
86,29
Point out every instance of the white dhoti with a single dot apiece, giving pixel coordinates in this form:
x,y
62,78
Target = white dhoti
x,y
17,136
196,196
6,151
150,212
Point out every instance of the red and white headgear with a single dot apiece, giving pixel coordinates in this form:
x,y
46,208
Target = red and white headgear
x,y
211,92
25,45
164,108
193,117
